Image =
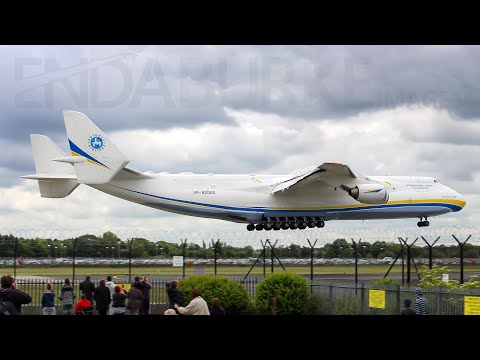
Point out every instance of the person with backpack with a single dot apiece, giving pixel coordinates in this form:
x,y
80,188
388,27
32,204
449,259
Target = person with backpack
x,y
67,296
11,299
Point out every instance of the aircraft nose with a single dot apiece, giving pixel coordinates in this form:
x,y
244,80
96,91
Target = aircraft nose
x,y
458,200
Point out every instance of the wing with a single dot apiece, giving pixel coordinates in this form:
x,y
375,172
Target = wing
x,y
327,174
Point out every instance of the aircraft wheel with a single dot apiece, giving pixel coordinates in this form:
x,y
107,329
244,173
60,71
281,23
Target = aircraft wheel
x,y
251,227
259,227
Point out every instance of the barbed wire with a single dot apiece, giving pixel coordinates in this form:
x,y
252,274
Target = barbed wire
x,y
254,238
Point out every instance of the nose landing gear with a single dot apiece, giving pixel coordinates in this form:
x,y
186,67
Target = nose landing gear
x,y
423,223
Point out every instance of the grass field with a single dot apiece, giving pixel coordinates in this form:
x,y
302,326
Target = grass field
x,y
209,270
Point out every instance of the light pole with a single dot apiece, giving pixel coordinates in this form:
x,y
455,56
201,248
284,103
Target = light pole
x,y
119,242
49,254
64,250
56,247
364,251
106,247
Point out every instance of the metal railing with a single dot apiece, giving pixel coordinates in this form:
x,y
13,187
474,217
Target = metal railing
x,y
158,294
345,298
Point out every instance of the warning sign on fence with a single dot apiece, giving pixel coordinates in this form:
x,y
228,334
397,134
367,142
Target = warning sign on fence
x,y
472,305
376,299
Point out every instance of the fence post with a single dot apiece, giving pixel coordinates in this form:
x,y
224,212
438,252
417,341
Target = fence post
x,y
73,263
439,302
15,260
330,299
274,305
130,261
398,298
362,298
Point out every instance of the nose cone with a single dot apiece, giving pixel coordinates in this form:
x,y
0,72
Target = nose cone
x,y
458,200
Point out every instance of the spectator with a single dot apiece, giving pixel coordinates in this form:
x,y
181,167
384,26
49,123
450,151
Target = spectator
x,y
12,297
67,297
118,301
421,305
102,298
217,309
146,286
48,301
111,286
135,298
175,296
82,304
407,310
87,288
197,306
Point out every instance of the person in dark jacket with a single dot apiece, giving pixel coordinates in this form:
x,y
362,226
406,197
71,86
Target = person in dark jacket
x,y
217,309
48,301
421,305
119,297
175,296
146,287
102,298
12,297
87,288
407,310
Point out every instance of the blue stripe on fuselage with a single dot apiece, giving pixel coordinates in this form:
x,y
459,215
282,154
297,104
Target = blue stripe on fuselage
x,y
257,209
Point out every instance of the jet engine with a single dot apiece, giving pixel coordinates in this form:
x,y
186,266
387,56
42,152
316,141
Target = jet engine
x,y
368,193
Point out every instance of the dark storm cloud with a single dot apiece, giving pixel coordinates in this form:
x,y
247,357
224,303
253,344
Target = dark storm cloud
x,y
161,87
121,87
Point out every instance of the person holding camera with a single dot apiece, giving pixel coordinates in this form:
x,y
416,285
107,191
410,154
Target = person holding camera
x,y
11,296
146,287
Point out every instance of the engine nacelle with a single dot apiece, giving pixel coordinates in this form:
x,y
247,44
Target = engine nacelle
x,y
369,193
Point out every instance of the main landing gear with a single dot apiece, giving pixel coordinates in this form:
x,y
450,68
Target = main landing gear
x,y
285,223
423,223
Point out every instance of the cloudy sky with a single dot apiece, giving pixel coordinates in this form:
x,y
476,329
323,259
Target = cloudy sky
x,y
383,110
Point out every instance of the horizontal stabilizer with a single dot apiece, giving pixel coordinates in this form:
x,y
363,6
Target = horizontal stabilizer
x,y
55,179
57,188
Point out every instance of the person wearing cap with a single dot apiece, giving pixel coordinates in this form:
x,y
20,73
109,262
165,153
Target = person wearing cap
x,y
407,310
421,305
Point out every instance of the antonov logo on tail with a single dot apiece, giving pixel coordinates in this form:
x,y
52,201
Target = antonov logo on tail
x,y
304,198
96,142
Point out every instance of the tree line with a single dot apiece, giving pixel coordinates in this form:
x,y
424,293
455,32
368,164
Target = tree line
x,y
110,246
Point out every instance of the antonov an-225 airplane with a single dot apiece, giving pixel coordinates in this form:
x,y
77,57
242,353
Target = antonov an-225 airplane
x,y
304,198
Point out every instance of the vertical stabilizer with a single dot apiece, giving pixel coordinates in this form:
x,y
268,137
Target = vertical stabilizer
x,y
102,158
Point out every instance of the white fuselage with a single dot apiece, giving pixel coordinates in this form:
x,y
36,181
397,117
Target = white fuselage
x,y
248,198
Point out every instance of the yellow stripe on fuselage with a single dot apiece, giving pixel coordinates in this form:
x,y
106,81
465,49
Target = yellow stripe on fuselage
x,y
396,202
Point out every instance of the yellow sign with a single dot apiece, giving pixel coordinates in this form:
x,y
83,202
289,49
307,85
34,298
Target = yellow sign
x,y
376,299
125,286
472,305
